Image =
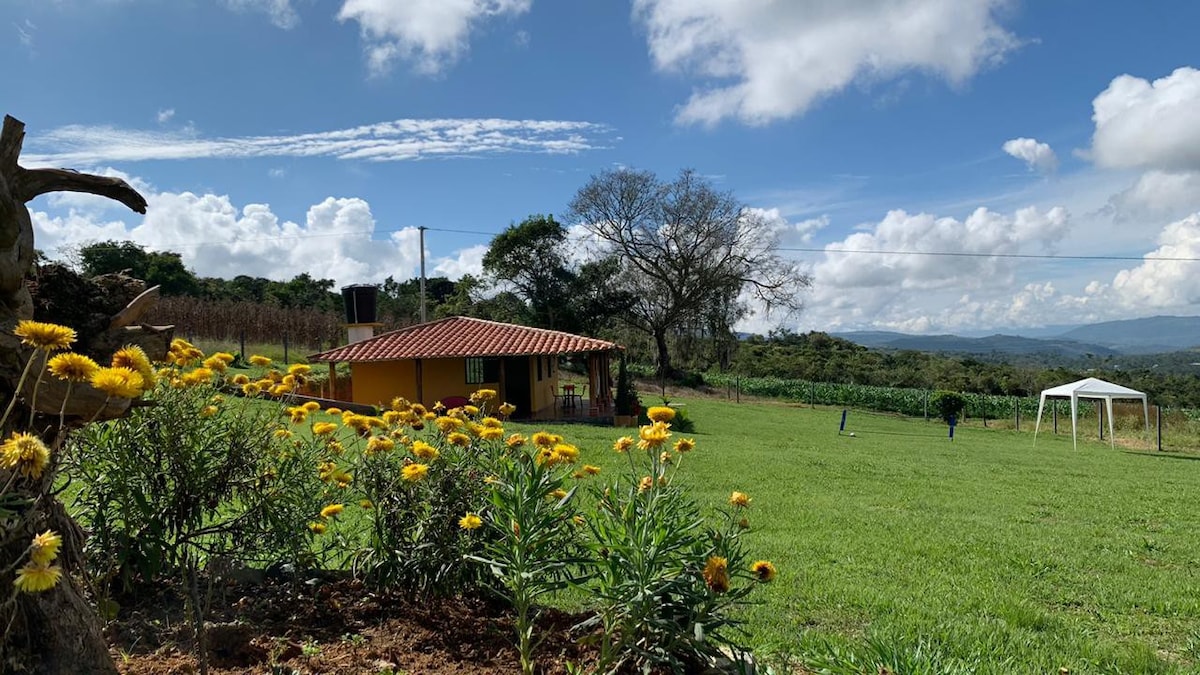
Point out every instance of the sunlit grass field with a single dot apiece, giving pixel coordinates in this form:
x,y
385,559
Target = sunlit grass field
x,y
899,548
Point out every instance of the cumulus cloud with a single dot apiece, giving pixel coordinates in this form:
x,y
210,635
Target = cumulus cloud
x,y
1157,196
281,12
773,59
789,233
1037,156
338,238
1149,125
468,261
1168,282
165,115
431,34
404,139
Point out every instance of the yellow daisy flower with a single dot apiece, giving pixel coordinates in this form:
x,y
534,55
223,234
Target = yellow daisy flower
x,y
423,450
739,499
623,444
45,547
34,578
716,574
73,367
118,382
470,521
332,510
414,472
260,361
45,336
25,453
763,570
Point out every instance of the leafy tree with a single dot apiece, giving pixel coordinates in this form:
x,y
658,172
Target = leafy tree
x,y
687,251
530,256
165,269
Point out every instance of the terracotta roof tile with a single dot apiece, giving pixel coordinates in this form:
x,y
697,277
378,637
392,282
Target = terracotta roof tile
x,y
461,336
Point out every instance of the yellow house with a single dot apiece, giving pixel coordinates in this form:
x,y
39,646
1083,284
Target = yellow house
x,y
452,357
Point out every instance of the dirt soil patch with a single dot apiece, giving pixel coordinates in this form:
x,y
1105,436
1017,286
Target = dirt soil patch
x,y
331,627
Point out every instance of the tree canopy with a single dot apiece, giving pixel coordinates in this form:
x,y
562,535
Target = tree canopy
x,y
696,259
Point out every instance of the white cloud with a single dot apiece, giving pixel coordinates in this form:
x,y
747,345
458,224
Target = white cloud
x,y
468,261
432,34
404,139
790,234
1150,125
1037,156
25,33
337,239
1157,196
281,12
1164,284
773,59
165,115
277,173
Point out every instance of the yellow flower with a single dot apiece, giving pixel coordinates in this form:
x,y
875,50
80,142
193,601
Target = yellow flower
x,y
366,504
458,438
491,433
590,469
564,453
470,410
392,417
716,574
685,445
208,411
646,483
515,441
414,472
470,522
298,415
317,528
379,444
332,510
119,382
311,406
660,413
251,389
323,428
45,548
483,395
299,369
198,376
333,411
260,361
73,367
335,446
739,499
763,570
506,409
25,453
653,435
491,423
282,433
623,444
240,379
34,578
447,424
423,450
215,364
665,457
45,336
545,440
224,357
558,494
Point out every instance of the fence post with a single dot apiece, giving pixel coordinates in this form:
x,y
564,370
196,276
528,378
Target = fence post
x,y
1100,420
1017,411
737,388
1158,423
926,392
812,394
243,344
1054,409
285,347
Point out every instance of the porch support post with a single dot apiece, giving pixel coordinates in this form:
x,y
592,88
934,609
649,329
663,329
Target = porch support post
x,y
420,382
332,380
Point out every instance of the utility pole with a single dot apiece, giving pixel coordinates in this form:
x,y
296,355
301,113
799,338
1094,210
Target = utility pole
x,y
421,229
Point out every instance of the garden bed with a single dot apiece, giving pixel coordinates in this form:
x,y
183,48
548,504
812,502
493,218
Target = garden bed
x,y
335,627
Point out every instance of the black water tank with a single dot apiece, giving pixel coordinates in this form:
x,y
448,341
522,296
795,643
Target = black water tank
x,y
359,300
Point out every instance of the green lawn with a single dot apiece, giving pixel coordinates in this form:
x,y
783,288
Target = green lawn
x,y
897,547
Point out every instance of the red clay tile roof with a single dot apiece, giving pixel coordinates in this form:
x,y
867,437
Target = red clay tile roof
x,y
461,336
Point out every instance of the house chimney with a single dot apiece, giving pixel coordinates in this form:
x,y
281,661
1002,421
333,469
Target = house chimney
x,y
360,300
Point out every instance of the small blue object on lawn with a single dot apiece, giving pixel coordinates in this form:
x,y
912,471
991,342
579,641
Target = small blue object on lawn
x,y
953,421
843,426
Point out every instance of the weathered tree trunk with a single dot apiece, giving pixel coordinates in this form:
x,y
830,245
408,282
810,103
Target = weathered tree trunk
x,y
55,631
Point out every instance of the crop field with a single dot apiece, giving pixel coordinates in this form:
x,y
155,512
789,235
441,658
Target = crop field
x,y
898,548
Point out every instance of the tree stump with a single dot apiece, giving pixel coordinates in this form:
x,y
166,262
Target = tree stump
x,y
56,631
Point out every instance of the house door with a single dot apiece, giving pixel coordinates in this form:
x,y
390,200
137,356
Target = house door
x,y
516,385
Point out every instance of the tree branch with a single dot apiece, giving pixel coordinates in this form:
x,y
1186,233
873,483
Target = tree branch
x,y
33,182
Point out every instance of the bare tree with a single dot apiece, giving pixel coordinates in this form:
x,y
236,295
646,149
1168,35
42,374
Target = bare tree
x,y
687,251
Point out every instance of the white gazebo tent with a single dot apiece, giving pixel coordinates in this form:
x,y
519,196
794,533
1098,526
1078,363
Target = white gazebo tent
x,y
1092,388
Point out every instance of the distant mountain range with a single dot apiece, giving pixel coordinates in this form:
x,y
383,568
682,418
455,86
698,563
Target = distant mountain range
x,y
1158,334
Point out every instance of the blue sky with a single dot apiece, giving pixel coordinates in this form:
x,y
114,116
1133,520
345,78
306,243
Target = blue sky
x,y
281,136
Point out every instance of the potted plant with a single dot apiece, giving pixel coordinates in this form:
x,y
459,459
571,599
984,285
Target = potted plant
x,y
626,403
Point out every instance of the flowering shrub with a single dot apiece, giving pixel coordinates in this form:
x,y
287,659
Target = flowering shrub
x,y
664,579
